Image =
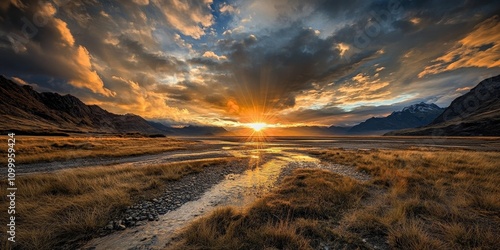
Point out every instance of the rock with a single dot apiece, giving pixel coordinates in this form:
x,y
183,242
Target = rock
x,y
175,196
110,226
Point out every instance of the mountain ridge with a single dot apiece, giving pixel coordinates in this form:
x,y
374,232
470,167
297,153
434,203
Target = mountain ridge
x,y
476,113
66,113
412,116
27,111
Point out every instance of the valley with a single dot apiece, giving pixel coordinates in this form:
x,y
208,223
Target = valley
x,y
170,190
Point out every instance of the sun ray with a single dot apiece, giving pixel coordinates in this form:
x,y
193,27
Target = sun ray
x,y
257,126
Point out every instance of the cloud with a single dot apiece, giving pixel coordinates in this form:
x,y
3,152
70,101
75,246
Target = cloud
x,y
19,81
228,9
49,48
297,62
85,77
480,48
463,89
211,54
188,17
141,2
66,35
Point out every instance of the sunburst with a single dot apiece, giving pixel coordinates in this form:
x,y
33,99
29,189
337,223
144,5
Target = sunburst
x,y
257,126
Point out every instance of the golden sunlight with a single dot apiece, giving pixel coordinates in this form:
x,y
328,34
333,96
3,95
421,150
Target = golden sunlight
x,y
258,126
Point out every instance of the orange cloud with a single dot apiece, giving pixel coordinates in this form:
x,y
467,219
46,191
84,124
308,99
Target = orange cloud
x,y
187,17
66,35
463,89
19,81
86,77
480,48
232,106
211,54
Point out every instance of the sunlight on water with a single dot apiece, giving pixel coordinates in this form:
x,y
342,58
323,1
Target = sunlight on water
x,y
236,190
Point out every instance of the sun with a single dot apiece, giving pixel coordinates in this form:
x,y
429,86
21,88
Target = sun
x,y
258,126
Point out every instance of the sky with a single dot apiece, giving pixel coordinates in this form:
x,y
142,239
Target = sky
x,y
230,63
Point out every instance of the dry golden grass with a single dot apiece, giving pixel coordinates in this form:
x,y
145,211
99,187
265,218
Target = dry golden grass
x,y
433,199
31,149
290,218
62,208
420,198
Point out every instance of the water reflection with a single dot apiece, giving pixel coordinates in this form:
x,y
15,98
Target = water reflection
x,y
266,162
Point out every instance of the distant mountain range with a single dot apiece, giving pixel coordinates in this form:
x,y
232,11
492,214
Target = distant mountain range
x,y
25,110
410,117
189,130
293,131
474,113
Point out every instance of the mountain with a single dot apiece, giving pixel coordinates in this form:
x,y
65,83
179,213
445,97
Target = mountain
x,y
337,130
192,130
293,131
26,110
410,117
298,131
475,113
163,128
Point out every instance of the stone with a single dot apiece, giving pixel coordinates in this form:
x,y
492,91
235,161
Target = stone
x,y
110,226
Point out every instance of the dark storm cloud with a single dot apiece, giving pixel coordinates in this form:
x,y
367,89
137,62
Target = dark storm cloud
x,y
159,64
272,75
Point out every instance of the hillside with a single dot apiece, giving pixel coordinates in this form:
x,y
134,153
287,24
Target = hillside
x,y
410,117
25,110
475,113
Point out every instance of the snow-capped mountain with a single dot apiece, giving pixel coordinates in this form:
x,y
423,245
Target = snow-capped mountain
x,y
413,116
422,107
477,113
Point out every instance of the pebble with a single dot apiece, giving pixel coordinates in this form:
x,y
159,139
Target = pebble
x,y
176,193
193,186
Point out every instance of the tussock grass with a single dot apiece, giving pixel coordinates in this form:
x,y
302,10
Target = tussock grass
x,y
31,149
419,198
60,209
433,199
290,218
